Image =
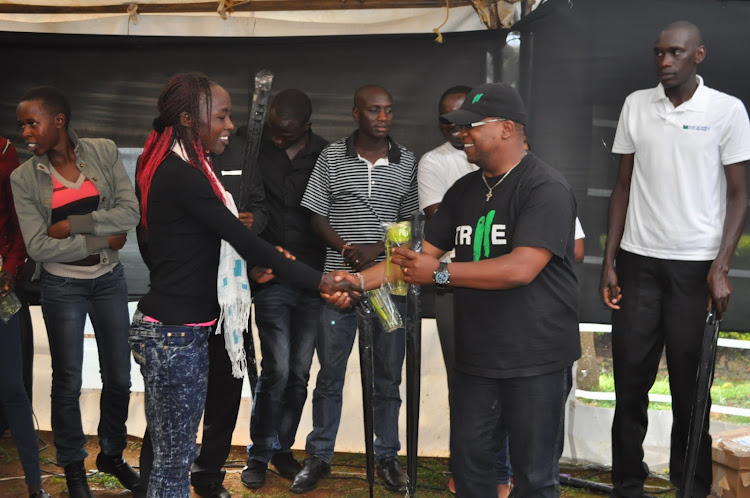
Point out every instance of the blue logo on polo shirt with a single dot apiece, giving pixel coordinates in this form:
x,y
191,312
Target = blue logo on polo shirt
x,y
696,128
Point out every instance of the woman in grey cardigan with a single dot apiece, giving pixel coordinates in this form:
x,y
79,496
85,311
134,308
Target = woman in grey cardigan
x,y
75,204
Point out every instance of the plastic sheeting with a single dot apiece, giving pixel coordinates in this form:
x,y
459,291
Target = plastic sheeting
x,y
252,24
587,428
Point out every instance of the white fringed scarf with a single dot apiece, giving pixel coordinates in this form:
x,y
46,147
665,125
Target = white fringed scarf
x,y
232,288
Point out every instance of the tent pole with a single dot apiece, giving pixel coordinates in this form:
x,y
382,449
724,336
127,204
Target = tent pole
x,y
366,365
413,361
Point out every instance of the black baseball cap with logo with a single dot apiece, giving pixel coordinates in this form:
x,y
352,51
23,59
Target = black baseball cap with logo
x,y
490,100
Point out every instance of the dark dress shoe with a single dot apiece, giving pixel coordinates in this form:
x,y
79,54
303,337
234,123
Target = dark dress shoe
x,y
118,467
40,494
75,477
389,469
216,490
254,474
312,472
286,464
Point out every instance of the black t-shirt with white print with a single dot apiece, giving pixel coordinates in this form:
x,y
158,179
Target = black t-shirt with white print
x,y
528,330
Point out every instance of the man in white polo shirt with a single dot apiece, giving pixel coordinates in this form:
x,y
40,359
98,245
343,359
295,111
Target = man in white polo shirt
x,y
675,217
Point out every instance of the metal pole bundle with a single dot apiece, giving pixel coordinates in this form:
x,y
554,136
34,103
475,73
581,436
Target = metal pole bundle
x,y
366,365
704,379
413,361
256,118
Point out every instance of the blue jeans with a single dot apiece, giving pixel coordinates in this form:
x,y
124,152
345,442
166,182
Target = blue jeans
x,y
335,339
65,304
533,412
15,401
287,320
503,471
174,365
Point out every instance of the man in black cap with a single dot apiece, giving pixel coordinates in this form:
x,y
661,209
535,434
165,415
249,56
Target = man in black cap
x,y
516,297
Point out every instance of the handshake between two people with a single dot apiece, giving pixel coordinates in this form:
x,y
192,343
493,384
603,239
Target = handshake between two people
x,y
344,289
418,269
340,288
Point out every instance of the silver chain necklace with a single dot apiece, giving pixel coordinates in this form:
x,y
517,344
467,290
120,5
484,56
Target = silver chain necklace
x,y
488,196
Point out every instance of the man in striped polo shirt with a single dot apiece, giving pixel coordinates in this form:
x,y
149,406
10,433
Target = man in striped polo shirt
x,y
359,183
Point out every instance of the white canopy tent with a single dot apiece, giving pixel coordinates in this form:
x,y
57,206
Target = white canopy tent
x,y
264,18
587,430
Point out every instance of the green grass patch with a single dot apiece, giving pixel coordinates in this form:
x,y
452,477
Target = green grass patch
x,y
6,456
107,481
743,246
723,392
740,336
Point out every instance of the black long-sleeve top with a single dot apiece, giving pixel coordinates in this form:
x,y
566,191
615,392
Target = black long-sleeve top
x,y
186,223
228,168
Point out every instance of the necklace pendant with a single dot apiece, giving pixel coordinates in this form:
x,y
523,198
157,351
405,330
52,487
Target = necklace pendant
x,y
489,194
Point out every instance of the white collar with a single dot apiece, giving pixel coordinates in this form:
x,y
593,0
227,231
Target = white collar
x,y
695,102
178,149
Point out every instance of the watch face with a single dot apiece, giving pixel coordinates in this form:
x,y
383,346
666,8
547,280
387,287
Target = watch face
x,y
441,277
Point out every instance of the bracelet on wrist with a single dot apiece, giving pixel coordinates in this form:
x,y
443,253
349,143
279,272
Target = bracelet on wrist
x,y
361,280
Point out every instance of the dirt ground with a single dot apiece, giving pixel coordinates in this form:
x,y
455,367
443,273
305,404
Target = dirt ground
x,y
348,478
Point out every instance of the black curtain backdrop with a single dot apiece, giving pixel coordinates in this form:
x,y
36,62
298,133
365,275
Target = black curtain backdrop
x,y
585,57
113,83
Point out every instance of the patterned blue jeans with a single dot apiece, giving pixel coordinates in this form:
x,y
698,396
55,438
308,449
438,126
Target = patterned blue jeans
x,y
174,365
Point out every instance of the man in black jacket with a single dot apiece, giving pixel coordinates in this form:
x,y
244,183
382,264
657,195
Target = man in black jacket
x,y
285,315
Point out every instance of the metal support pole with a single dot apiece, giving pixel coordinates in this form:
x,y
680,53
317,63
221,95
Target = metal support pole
x,y
256,118
704,379
413,361
366,365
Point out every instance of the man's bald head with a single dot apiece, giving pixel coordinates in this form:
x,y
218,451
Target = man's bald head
x,y
363,92
691,30
373,111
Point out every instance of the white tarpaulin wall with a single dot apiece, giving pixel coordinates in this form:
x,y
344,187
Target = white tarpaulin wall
x,y
251,24
587,428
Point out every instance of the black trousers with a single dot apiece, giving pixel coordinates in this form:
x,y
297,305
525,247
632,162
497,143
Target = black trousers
x,y
663,307
219,419
220,416
27,357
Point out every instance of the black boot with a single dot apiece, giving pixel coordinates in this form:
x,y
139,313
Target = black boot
x,y
75,476
390,470
118,467
312,472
